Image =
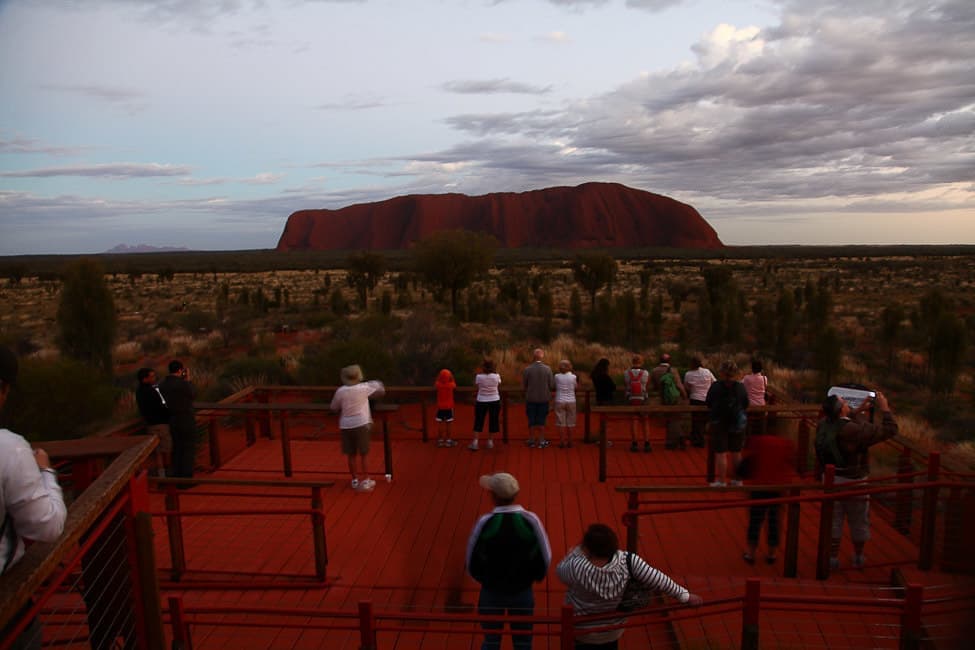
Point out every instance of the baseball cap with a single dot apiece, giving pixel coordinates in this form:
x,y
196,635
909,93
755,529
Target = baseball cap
x,y
502,484
8,366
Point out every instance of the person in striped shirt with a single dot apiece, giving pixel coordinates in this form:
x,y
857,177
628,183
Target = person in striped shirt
x,y
596,572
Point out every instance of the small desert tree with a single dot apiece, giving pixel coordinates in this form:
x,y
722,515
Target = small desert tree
x,y
593,271
364,271
451,260
86,315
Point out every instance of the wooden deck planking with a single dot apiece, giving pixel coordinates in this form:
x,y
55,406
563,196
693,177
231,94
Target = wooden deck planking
x,y
402,547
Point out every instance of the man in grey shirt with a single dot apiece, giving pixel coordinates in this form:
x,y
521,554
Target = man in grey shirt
x,y
538,382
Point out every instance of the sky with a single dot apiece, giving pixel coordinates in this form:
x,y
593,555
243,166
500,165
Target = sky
x,y
204,124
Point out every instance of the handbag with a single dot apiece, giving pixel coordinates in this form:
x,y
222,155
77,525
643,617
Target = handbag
x,y
636,595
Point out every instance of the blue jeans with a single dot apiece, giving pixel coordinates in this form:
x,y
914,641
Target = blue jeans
x,y
494,603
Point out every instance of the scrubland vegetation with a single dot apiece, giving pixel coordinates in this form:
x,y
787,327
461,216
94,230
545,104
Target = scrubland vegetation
x,y
898,319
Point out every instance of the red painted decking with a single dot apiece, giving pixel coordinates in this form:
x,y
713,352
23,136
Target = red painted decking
x,y
402,546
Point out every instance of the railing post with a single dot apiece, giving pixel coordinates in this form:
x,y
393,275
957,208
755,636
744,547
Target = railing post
x,y
318,532
174,525
423,419
214,431
504,417
710,459
602,447
825,524
587,432
632,522
904,510
749,614
802,447
249,428
182,640
911,618
929,514
263,397
367,626
792,537
142,563
567,631
286,444
387,448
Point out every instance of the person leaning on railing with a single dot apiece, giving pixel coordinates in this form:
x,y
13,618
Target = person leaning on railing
x,y
596,573
33,505
854,434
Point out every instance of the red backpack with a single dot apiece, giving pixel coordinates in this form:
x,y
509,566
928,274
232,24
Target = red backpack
x,y
635,388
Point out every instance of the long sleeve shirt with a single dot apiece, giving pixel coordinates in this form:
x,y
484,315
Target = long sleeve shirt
x,y
508,549
598,589
33,504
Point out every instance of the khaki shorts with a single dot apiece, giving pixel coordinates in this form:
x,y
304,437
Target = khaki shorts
x,y
356,441
165,437
565,414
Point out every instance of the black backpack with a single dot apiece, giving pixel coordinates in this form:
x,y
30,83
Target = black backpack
x,y
827,449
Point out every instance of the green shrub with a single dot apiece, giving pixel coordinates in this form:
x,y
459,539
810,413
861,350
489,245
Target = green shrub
x,y
58,400
320,365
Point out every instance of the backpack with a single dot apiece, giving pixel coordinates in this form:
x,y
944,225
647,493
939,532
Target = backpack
x,y
728,410
669,393
827,450
635,388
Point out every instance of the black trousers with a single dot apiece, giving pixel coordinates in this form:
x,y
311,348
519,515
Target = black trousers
x,y
758,513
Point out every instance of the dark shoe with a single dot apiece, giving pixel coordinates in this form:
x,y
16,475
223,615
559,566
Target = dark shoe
x,y
634,447
647,448
770,559
748,558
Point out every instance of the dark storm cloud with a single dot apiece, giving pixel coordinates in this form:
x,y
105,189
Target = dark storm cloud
x,y
830,102
493,87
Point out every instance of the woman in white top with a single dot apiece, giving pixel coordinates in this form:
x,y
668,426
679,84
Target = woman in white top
x,y
487,402
566,383
596,573
698,380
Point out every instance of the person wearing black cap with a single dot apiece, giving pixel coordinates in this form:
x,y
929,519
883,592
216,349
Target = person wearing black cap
x,y
33,504
507,551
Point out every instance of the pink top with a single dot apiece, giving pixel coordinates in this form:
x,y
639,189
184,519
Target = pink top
x,y
755,385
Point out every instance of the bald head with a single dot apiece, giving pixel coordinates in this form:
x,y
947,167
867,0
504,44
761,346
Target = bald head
x,y
538,354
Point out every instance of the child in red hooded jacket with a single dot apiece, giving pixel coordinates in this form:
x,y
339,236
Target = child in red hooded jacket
x,y
445,386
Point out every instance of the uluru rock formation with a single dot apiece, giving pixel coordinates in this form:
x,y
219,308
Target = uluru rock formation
x,y
592,215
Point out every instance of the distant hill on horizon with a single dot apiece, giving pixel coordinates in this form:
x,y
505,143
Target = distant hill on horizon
x,y
591,215
123,249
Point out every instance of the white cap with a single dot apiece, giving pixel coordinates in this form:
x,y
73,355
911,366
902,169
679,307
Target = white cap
x,y
502,484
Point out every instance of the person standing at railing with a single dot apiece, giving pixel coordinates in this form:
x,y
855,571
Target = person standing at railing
x,y
33,504
697,381
756,385
566,384
635,381
728,402
445,386
507,551
843,439
538,383
179,394
351,401
596,573
669,390
155,413
487,403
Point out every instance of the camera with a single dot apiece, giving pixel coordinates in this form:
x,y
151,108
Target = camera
x,y
854,395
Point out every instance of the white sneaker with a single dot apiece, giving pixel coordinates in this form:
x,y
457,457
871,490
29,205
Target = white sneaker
x,y
716,484
366,485
473,446
542,443
490,444
355,484
450,442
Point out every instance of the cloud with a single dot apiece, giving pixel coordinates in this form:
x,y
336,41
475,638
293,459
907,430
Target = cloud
x,y
114,171
491,37
828,102
17,144
493,87
133,101
353,103
555,37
